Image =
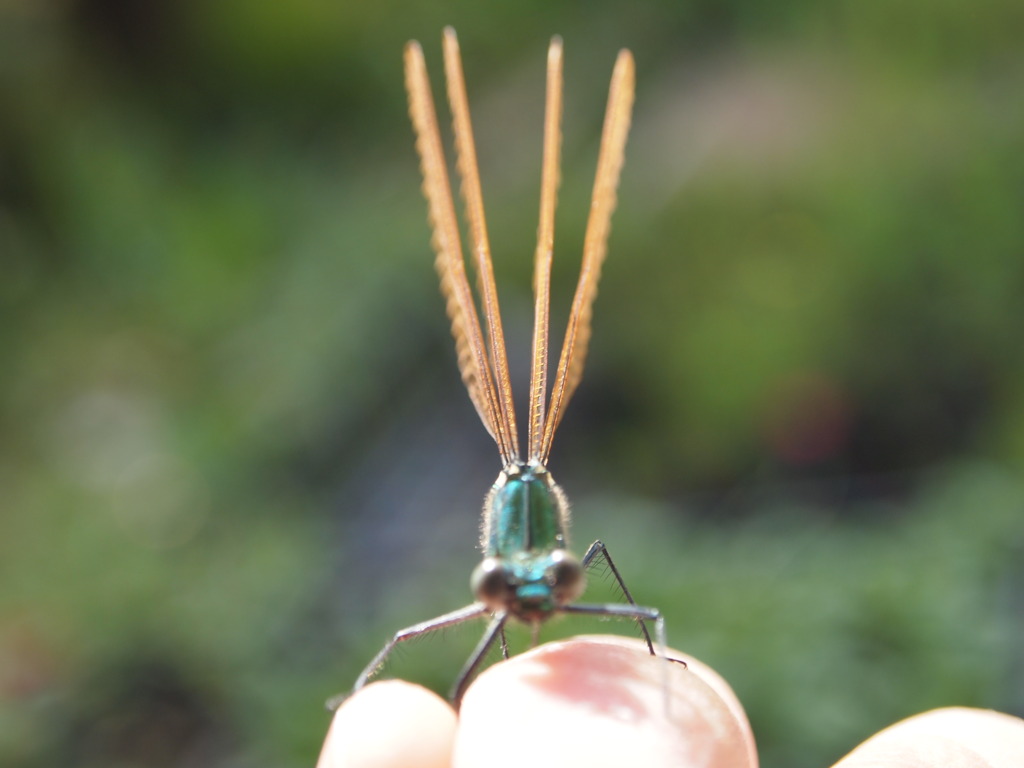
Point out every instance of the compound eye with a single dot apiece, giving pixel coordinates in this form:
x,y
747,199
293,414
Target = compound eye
x,y
565,574
490,582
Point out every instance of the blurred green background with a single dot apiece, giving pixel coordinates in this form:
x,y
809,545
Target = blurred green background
x,y
235,454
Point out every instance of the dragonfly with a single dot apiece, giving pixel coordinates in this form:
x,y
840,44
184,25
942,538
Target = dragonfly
x,y
528,572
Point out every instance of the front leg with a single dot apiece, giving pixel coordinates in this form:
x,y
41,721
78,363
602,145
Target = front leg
x,y
599,549
447,620
495,630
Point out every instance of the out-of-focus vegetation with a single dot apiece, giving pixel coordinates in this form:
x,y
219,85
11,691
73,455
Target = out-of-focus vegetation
x,y
234,450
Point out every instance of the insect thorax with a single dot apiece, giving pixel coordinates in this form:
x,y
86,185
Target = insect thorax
x,y
526,569
525,511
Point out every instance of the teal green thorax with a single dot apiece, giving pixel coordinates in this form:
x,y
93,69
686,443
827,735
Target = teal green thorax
x,y
525,511
527,570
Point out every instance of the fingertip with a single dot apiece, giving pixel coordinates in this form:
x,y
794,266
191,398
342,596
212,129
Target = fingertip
x,y
960,736
388,724
728,697
602,701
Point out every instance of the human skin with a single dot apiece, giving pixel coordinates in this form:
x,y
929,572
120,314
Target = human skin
x,y
605,701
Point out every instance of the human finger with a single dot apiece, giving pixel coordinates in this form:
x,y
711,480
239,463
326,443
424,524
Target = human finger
x,y
955,737
390,724
601,701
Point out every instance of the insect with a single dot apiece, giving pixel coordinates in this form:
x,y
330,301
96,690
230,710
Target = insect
x,y
527,571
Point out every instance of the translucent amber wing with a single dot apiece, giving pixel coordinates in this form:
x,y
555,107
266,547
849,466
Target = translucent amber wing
x,y
468,170
609,166
545,246
469,340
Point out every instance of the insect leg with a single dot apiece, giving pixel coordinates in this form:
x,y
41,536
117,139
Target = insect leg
x,y
631,611
496,628
504,643
598,549
439,622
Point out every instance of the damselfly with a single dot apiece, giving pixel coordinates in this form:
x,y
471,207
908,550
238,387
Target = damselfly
x,y
527,571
